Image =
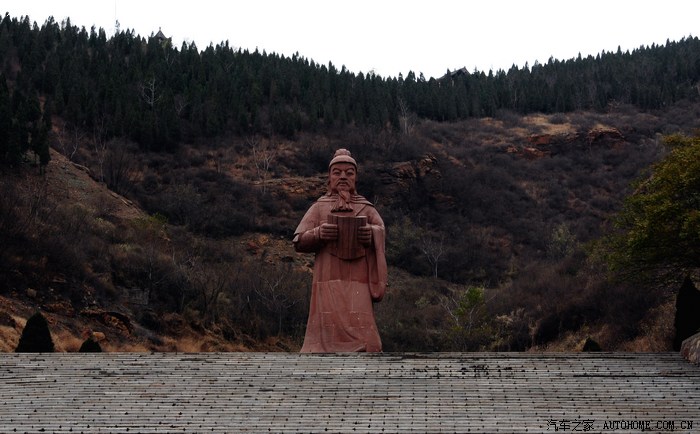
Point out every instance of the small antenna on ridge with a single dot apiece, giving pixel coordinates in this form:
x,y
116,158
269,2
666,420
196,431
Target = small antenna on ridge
x,y
116,21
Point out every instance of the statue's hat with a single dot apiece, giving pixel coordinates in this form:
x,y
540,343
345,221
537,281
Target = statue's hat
x,y
342,156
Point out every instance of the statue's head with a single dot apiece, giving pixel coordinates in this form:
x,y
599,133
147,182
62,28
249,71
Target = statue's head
x,y
342,172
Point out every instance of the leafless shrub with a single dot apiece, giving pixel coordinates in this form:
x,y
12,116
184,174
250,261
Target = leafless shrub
x,y
70,138
263,154
509,118
558,119
23,209
411,317
283,293
120,167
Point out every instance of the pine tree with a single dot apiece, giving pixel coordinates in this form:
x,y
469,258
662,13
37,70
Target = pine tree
x,y
659,227
5,119
40,144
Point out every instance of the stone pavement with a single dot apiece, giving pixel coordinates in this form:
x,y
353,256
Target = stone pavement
x,y
387,392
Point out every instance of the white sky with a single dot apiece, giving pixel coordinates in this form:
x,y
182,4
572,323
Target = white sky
x,y
392,36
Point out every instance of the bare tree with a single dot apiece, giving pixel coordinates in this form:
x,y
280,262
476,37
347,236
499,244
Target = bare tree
x,y
275,290
119,167
99,138
181,102
148,93
208,284
433,247
69,138
405,117
169,57
21,210
150,262
263,156
218,158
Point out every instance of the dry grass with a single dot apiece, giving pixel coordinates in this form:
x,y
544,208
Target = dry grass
x,y
544,125
66,342
656,336
125,348
73,182
657,330
20,313
9,338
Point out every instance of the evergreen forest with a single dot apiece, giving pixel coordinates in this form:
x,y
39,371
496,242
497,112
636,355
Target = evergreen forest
x,y
160,96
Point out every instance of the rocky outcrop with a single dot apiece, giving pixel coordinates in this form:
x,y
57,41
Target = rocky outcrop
x,y
407,172
114,320
7,320
594,135
543,145
404,179
690,349
604,136
529,152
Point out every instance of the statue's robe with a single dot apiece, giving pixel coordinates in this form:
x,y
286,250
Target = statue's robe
x,y
341,315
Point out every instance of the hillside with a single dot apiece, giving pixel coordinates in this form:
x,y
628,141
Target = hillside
x,y
165,223
487,222
75,310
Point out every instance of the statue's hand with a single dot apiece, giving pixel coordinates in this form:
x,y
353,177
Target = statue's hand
x,y
364,235
328,232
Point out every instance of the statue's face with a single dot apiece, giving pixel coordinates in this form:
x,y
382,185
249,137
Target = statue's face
x,y
342,177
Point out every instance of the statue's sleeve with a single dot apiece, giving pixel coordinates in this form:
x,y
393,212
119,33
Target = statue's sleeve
x,y
378,272
306,236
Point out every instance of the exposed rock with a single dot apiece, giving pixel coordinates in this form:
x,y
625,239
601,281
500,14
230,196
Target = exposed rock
x,y
252,247
63,307
405,172
533,153
690,349
542,145
95,336
607,135
404,178
6,320
544,139
74,183
115,320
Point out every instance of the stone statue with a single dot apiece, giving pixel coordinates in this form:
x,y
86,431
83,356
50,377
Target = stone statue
x,y
346,233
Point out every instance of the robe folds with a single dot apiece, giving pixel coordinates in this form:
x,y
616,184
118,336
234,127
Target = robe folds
x,y
341,315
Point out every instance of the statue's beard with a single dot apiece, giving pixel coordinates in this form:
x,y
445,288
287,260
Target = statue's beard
x,y
343,202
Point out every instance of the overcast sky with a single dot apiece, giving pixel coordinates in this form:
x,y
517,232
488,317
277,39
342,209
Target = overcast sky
x,y
391,37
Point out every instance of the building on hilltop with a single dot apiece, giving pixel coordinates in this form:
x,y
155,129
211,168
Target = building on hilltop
x,y
456,73
160,36
451,76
